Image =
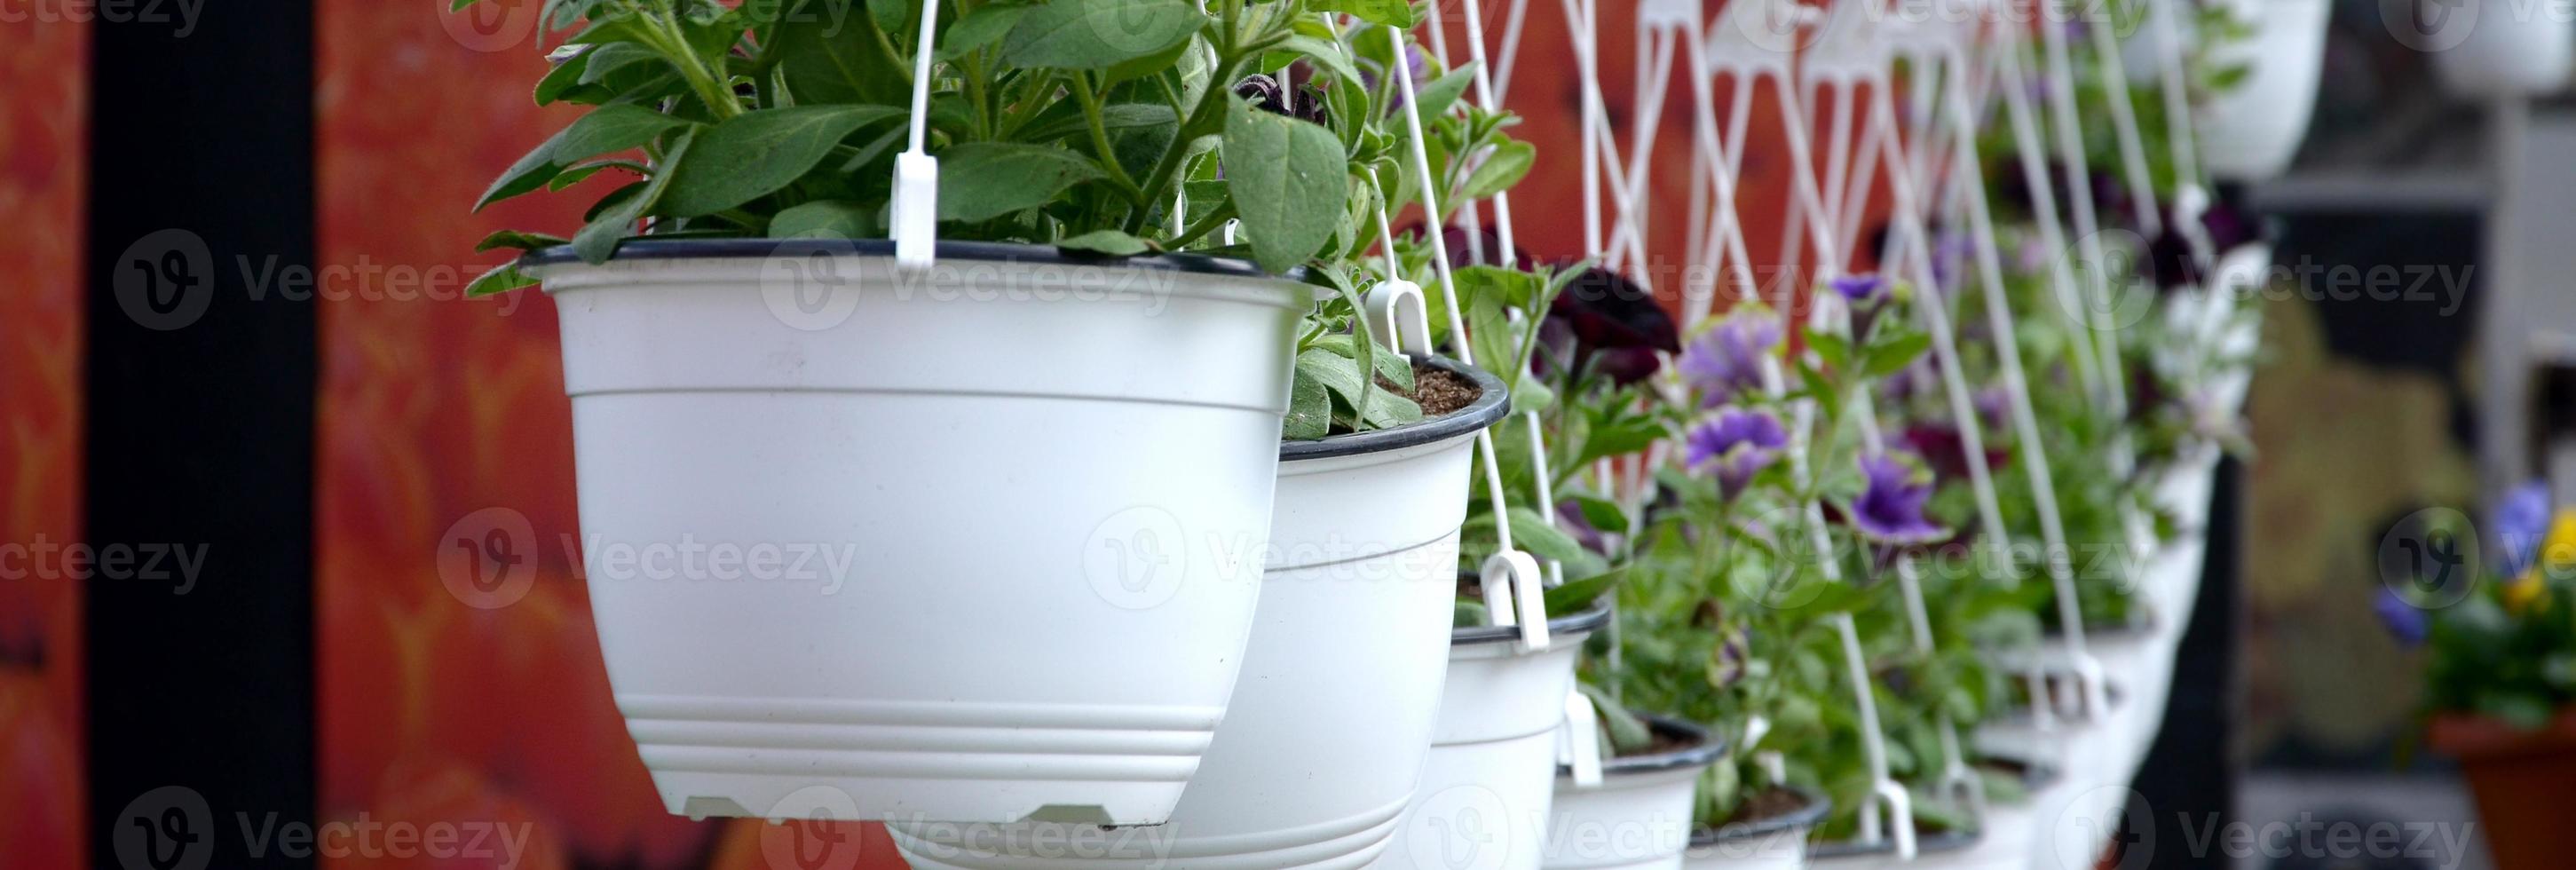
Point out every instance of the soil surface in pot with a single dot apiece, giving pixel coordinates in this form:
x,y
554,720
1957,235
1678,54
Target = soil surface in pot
x,y
1438,391
1769,803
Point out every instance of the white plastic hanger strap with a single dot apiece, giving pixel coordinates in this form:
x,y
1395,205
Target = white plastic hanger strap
x,y
915,206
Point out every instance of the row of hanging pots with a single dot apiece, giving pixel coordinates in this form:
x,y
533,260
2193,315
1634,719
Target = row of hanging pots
x,y
1353,617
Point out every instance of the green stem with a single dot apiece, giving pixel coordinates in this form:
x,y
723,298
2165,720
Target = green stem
x,y
1214,219
1090,101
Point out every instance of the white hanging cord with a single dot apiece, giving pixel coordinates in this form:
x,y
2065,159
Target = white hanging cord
x,y
2094,305
1868,68
2190,197
2124,126
915,207
1488,98
2043,485
2043,197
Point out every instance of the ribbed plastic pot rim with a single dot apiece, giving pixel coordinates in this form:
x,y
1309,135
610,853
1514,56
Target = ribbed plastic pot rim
x,y
1706,747
1808,816
1005,252
1492,403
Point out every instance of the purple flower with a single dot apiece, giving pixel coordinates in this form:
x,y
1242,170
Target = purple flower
x,y
1739,443
1992,403
2404,621
1890,508
1570,519
2520,520
1945,449
1860,290
1727,359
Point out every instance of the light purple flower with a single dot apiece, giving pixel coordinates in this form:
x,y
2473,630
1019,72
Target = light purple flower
x,y
2405,622
2520,519
1739,443
1890,508
1860,290
1727,359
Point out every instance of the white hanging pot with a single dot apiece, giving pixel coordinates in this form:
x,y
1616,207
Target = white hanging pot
x,y
1777,843
979,479
1639,816
1487,783
2497,49
2139,659
2251,132
1353,625
2007,832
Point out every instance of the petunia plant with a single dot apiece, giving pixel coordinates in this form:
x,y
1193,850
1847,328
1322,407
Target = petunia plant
x,y
1110,128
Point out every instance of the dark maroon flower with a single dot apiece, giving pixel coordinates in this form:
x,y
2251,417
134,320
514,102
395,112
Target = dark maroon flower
x,y
1945,450
1618,327
1269,95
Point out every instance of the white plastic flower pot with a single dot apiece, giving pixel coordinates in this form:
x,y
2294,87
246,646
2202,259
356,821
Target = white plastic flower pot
x,y
999,521
1329,722
2250,132
2139,659
1639,816
2006,833
1762,844
1489,778
2494,49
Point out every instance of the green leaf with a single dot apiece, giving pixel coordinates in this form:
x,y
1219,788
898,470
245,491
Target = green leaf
x,y
984,180
1310,410
1893,356
1503,168
1627,733
599,239
1390,365
825,219
1111,242
605,130
1289,182
890,15
1096,34
600,62
1467,614
564,77
1602,513
830,57
980,28
756,153
1577,596
1433,99
1336,372
517,240
1391,13
502,279
1327,55
1531,533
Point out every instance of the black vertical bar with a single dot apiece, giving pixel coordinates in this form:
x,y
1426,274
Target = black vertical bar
x,y
2190,776
199,450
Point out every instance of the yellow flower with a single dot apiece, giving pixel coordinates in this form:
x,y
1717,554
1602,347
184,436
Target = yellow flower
x,y
2558,550
2522,591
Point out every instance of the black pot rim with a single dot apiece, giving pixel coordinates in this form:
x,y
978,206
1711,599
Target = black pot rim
x,y
1492,403
2142,619
1567,627
649,248
1709,747
2036,774
1924,844
1812,814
